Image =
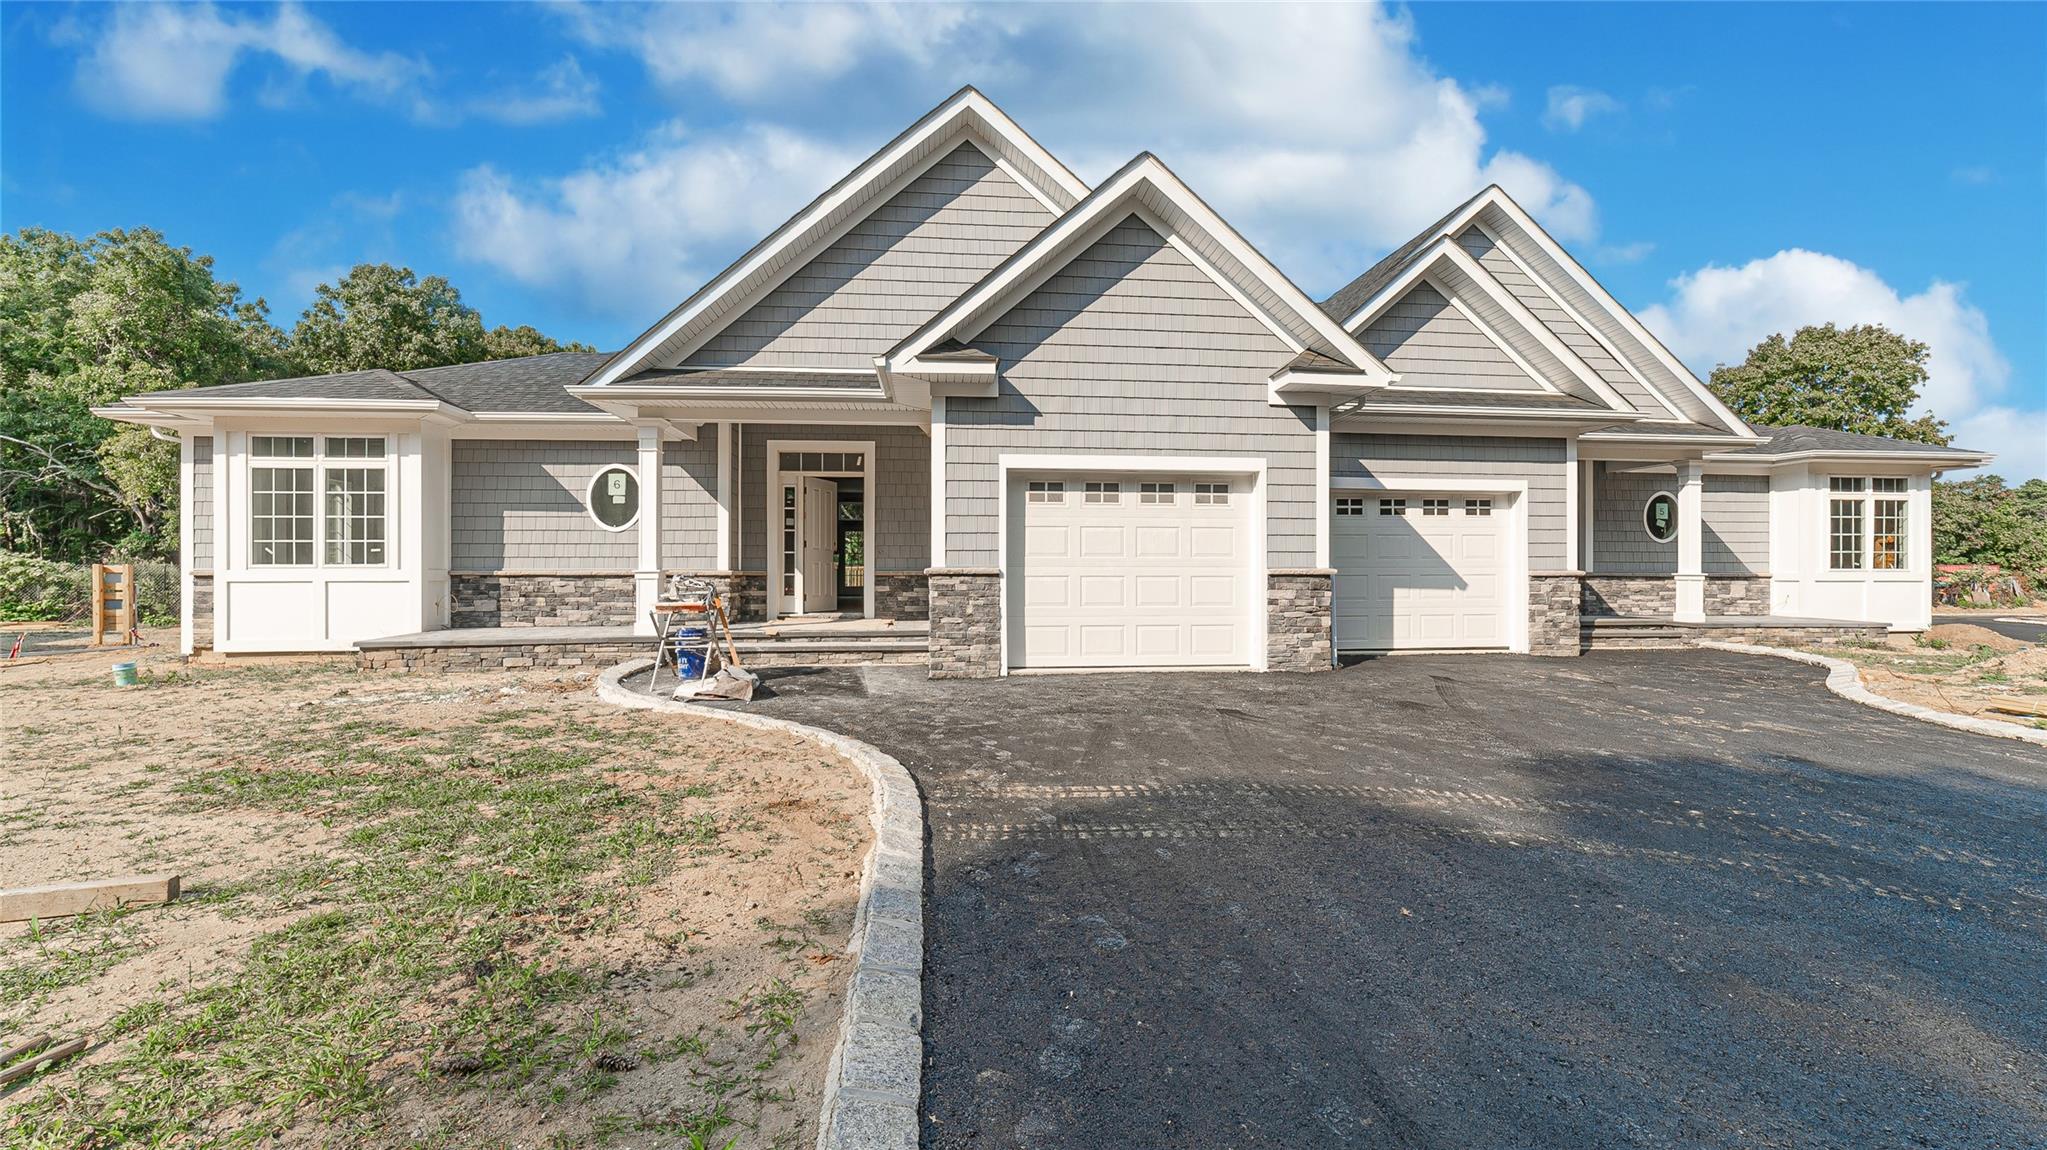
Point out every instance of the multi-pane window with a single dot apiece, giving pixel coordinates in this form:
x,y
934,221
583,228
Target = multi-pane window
x,y
825,461
1350,505
1478,507
1435,507
349,474
1393,507
789,540
1887,524
1868,523
1844,524
1157,493
1102,493
1211,494
1043,491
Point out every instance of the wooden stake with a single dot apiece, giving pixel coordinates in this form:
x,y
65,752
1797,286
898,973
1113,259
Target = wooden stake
x,y
49,1057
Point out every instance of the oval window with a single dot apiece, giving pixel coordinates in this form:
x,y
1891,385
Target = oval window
x,y
614,498
1659,517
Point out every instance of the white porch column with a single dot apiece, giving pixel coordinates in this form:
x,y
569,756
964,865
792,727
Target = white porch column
x,y
938,481
647,572
185,543
1691,543
1588,514
724,497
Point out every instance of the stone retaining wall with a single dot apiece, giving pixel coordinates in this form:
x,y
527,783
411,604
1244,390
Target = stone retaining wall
x,y
487,600
966,622
1297,629
541,656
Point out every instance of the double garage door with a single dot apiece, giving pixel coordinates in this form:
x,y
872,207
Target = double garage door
x,y
1416,571
1130,571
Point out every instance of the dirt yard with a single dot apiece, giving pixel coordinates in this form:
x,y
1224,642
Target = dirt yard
x,y
1957,667
447,911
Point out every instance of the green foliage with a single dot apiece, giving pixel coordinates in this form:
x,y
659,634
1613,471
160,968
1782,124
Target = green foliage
x,y
1862,379
1980,520
38,589
86,322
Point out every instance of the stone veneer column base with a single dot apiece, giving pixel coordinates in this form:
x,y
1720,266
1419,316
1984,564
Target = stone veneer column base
x,y
902,595
1297,622
745,592
202,613
966,622
1555,606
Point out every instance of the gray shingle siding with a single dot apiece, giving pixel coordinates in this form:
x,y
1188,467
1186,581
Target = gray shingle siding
x,y
1130,349
894,270
1431,344
901,535
1540,462
518,505
201,511
1566,329
1736,510
689,502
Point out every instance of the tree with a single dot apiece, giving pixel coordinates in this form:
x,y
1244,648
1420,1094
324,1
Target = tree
x,y
381,316
1980,520
1863,379
503,342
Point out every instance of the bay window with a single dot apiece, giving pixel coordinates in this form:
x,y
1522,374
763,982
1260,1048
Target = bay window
x,y
1868,523
350,475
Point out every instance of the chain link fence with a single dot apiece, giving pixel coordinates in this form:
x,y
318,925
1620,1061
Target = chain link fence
x,y
38,590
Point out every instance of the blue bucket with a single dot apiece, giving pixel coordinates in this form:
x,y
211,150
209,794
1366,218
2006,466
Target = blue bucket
x,y
689,653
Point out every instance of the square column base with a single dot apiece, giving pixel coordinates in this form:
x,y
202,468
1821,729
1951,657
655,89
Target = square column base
x,y
1691,599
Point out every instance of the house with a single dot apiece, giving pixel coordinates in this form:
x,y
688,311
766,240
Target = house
x,y
1035,424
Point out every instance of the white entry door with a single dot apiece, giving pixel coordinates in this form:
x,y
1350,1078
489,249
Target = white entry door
x,y
1129,571
817,538
1419,571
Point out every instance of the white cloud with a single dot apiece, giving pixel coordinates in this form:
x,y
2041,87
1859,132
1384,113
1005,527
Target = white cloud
x,y
564,92
1715,314
1321,131
1570,106
637,232
172,62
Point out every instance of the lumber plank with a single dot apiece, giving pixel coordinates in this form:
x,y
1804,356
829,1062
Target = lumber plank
x,y
69,898
49,1057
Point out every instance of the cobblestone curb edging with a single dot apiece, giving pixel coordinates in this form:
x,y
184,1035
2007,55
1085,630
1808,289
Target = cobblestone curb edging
x,y
876,1073
1844,680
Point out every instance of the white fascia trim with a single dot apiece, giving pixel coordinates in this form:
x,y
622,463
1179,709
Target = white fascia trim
x,y
1679,441
1474,486
681,395
946,118
1039,259
1447,250
208,408
1621,314
1886,457
1519,413
1219,464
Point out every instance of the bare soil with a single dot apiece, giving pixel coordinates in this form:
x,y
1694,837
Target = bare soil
x,y
1960,668
470,910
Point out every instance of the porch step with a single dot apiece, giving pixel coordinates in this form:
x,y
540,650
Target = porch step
x,y
1628,633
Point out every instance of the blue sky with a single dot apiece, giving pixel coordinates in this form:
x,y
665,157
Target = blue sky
x,y
1727,170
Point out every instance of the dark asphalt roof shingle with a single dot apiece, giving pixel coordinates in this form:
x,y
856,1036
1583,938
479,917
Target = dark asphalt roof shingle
x,y
1798,438
373,384
535,383
765,380
1452,397
1352,296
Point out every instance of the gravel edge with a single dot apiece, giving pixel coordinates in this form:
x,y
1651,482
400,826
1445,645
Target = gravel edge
x,y
1845,680
875,1078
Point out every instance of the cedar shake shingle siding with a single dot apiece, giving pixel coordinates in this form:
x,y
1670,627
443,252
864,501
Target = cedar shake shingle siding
x,y
1539,462
201,510
1129,350
1735,509
897,268
1560,324
901,535
689,502
1431,344
518,505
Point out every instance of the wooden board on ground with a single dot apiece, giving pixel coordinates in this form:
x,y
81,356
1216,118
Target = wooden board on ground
x,y
69,898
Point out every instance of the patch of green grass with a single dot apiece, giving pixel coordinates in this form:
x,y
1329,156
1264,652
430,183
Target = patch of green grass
x,y
63,952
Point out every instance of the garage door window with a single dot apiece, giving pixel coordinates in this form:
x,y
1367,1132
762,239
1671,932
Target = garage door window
x,y
1157,493
1350,505
1435,507
1479,507
1211,494
1043,492
1393,507
1103,493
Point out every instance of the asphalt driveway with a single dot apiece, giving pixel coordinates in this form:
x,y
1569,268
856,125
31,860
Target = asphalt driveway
x,y
1633,899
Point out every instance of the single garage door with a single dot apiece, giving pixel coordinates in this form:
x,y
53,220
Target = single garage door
x,y
1419,572
1129,571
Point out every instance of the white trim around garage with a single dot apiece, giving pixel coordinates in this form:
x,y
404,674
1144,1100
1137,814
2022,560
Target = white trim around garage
x,y
1253,466
1516,493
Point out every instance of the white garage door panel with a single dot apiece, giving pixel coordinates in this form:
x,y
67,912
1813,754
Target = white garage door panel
x,y
1414,581
1130,583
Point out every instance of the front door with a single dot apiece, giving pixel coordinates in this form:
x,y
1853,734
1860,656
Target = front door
x,y
818,544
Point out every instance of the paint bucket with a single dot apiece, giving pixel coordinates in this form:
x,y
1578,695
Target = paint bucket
x,y
124,674
691,643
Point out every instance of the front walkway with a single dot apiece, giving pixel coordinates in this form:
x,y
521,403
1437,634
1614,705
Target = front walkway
x,y
1680,898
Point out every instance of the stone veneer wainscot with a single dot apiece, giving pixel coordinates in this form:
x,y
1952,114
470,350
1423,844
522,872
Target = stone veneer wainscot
x,y
1297,619
966,622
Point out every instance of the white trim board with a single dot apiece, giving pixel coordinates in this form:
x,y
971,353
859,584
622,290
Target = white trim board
x,y
770,518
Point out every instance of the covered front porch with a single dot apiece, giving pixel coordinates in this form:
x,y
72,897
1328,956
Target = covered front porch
x,y
798,641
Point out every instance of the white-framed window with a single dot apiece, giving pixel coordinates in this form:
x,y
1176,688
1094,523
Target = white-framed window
x,y
613,499
319,500
1393,507
1478,507
1435,507
1158,493
1102,493
1659,517
1046,491
1211,494
1868,523
1350,505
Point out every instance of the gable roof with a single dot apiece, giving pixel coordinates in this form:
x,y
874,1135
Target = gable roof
x,y
1570,285
532,384
966,115
1148,189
